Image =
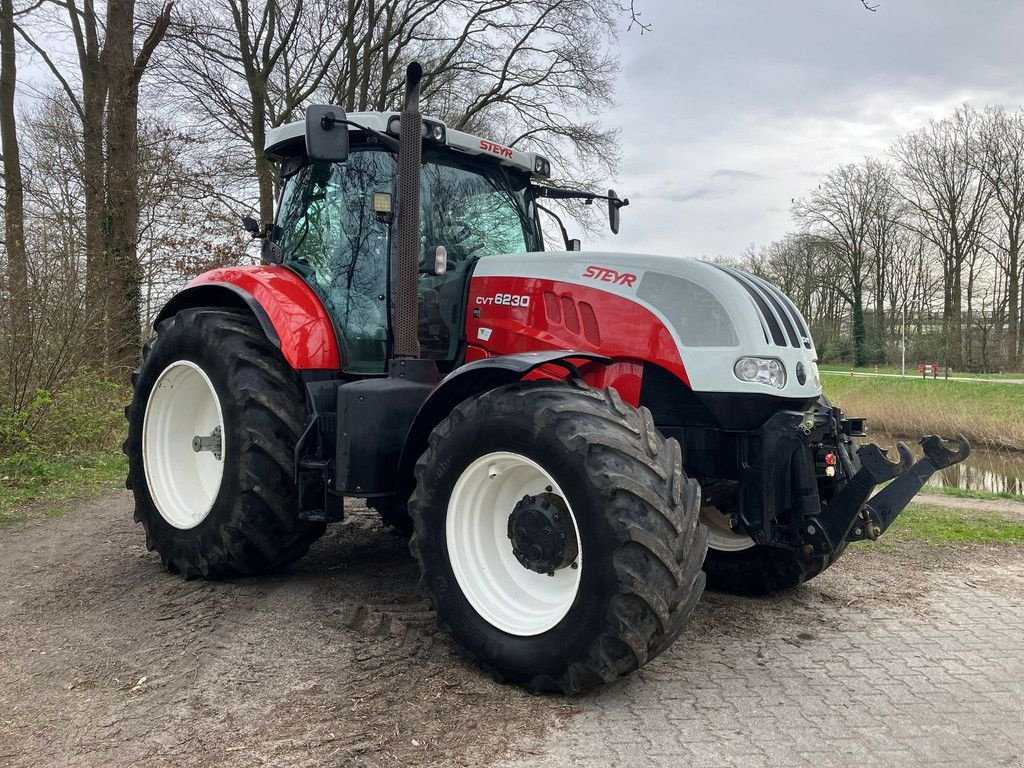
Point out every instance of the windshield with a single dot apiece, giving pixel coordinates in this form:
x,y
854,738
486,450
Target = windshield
x,y
329,233
476,208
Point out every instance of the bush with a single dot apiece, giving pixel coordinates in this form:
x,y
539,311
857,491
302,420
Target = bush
x,y
85,416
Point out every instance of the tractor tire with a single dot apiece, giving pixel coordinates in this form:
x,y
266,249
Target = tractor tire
x,y
393,514
762,570
628,571
758,569
209,512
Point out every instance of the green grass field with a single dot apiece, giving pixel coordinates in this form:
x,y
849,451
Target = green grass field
x,y
990,414
913,372
964,493
51,482
941,526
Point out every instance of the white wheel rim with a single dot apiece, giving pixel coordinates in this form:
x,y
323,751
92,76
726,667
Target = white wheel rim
x,y
505,593
720,536
183,482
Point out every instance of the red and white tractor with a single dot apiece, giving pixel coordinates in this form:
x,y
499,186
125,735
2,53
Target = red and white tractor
x,y
574,440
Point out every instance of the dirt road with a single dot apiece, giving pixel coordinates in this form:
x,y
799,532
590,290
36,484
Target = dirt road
x,y
105,660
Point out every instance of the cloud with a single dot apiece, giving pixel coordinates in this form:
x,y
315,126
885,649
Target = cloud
x,y
728,110
731,173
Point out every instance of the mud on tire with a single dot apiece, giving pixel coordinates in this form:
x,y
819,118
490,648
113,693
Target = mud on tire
x,y
636,511
253,525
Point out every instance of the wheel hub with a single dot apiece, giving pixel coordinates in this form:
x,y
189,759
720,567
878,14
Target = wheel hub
x,y
542,534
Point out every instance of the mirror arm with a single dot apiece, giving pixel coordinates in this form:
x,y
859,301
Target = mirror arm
x,y
557,193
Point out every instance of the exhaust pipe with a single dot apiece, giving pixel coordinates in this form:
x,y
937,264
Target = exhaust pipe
x,y
406,265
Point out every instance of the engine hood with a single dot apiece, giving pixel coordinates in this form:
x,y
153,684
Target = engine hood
x,y
715,314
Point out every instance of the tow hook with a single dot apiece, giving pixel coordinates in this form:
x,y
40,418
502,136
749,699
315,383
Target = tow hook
x,y
885,505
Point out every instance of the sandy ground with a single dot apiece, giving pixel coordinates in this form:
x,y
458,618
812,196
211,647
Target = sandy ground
x,y
105,660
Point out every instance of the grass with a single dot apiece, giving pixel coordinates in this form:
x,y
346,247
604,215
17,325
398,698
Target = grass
x,y
964,493
990,415
54,480
912,371
942,527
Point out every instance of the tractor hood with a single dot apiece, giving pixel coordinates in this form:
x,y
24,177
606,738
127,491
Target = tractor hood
x,y
715,314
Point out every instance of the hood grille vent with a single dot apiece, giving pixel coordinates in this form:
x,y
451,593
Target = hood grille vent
x,y
780,320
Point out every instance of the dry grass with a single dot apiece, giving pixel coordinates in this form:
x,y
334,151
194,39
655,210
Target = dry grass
x,y
989,414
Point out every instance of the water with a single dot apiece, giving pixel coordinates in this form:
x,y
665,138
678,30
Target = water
x,y
984,470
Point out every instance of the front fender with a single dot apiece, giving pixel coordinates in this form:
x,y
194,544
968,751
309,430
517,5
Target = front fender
x,y
473,379
290,313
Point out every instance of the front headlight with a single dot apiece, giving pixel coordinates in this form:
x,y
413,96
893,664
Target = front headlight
x,y
761,370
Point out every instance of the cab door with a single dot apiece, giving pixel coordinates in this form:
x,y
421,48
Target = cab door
x,y
474,209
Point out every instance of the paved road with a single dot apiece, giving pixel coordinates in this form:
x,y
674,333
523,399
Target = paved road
x,y
899,655
840,678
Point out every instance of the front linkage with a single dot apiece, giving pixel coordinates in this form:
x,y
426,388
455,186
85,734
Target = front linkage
x,y
810,488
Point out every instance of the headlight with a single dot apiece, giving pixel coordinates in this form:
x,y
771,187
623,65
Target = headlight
x,y
761,370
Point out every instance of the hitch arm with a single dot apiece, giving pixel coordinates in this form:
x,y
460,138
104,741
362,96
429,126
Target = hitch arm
x,y
885,505
825,532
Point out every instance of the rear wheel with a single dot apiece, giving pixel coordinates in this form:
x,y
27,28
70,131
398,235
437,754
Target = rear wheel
x,y
212,429
557,534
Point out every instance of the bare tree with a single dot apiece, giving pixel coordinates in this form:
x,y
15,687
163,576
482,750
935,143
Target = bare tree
x,y
106,104
842,211
940,181
525,72
1001,163
19,316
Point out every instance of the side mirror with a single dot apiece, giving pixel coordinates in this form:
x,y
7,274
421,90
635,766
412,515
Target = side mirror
x,y
326,133
250,225
613,211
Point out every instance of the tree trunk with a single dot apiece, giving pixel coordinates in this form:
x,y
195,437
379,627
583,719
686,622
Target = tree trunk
x,y
122,187
1013,301
859,345
19,315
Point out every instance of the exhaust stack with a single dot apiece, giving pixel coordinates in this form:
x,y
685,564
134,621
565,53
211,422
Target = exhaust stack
x,y
406,266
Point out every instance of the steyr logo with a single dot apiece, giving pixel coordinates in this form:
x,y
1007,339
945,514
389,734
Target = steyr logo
x,y
610,276
495,149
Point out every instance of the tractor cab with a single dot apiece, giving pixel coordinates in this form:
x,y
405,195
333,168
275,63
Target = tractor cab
x,y
336,222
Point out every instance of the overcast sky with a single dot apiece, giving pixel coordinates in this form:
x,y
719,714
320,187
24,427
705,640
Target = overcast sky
x,y
730,109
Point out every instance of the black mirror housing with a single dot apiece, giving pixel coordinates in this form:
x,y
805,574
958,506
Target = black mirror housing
x,y
250,225
613,211
326,133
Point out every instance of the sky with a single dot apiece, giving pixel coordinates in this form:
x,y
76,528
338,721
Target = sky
x,y
729,109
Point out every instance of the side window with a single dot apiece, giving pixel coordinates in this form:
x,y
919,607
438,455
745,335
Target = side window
x,y
328,232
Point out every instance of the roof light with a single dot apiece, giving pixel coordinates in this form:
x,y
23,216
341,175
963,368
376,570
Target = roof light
x,y
541,166
430,130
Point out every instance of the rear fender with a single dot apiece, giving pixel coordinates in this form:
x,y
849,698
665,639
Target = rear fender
x,y
289,312
474,379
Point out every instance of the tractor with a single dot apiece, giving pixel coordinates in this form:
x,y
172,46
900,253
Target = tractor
x,y
575,442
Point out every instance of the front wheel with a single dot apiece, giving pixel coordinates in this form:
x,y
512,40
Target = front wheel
x,y
557,535
212,430
736,564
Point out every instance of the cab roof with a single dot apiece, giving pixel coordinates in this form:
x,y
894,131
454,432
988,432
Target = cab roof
x,y
289,139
